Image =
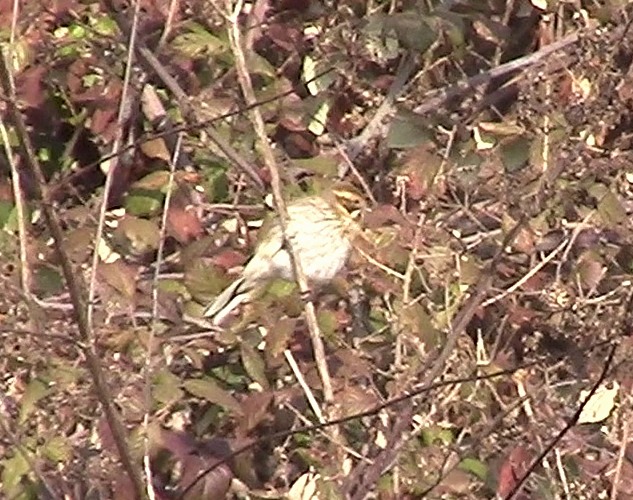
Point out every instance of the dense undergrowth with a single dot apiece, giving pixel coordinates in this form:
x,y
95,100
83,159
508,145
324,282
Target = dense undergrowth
x,y
493,142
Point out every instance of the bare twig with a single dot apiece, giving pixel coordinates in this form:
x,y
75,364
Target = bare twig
x,y
110,167
169,22
621,456
438,97
18,195
306,388
148,371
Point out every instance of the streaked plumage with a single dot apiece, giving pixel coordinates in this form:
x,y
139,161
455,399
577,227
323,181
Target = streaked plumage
x,y
321,230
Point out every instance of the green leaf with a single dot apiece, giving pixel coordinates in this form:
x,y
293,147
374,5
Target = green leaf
x,y
259,65
57,449
475,467
515,154
321,165
216,183
380,45
143,204
412,30
137,235
49,281
35,391
156,181
63,375
315,76
105,25
166,388
407,130
204,281
198,41
77,31
6,208
207,389
414,320
13,470
327,323
11,223
611,210
318,121
254,364
434,434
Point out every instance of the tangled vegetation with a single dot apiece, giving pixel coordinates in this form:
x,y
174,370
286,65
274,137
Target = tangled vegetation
x,y
476,346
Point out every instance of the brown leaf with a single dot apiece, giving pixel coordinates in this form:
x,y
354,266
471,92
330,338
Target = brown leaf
x,y
30,86
590,270
255,408
156,148
355,399
382,215
278,337
120,276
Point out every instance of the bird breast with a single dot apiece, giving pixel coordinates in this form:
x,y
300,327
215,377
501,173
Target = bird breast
x,y
316,233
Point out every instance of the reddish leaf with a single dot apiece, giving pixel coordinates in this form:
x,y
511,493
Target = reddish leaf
x,y
30,86
183,224
228,259
512,470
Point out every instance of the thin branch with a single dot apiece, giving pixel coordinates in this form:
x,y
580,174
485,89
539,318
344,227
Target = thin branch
x,y
269,160
18,196
148,371
304,385
621,456
111,166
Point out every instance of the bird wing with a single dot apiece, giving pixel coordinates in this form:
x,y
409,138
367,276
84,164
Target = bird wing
x,y
229,299
261,267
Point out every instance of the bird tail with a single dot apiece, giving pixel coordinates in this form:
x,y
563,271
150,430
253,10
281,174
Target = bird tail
x,y
231,297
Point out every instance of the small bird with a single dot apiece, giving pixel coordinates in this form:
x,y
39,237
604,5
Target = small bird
x,y
321,229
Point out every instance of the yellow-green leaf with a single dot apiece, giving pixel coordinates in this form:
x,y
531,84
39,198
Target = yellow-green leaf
x,y
209,390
